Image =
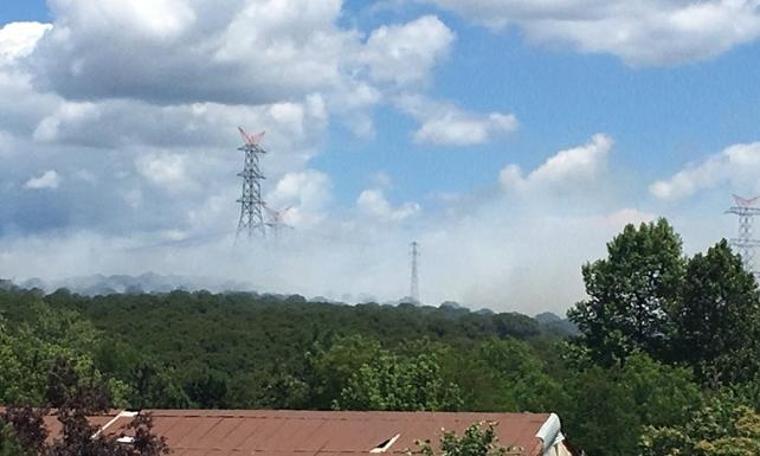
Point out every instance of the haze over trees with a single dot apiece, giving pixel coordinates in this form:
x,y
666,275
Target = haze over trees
x,y
665,362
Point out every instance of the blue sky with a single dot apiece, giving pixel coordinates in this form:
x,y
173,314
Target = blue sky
x,y
511,138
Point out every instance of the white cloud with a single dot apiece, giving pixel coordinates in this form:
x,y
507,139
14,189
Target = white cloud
x,y
618,219
302,197
570,168
445,124
164,169
241,51
405,54
372,202
150,20
649,32
48,180
71,114
18,39
737,165
22,105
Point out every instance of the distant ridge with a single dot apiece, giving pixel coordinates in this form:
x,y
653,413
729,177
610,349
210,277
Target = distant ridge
x,y
553,322
149,282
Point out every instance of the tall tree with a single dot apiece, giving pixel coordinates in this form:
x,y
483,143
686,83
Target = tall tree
x,y
718,321
631,293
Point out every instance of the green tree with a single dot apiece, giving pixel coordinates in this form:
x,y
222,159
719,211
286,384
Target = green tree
x,y
75,400
720,428
718,320
390,382
477,440
26,359
631,294
606,409
600,415
518,380
663,394
331,369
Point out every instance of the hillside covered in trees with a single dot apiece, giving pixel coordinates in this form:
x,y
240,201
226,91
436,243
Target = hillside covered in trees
x,y
666,361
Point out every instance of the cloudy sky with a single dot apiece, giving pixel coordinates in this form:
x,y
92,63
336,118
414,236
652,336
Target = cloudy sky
x,y
511,138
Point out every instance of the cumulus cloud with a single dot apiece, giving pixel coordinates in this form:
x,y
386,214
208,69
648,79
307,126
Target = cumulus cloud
x,y
569,168
445,124
404,54
301,197
737,165
22,104
651,32
48,180
252,52
373,203
243,52
165,170
17,39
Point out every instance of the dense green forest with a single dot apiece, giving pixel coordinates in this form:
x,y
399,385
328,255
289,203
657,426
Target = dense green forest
x,y
667,360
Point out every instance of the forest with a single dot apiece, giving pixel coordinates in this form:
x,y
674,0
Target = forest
x,y
665,359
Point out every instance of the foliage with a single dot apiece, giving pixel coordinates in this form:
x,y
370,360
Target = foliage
x,y
31,348
631,294
477,440
23,431
720,428
329,370
605,409
718,321
392,382
242,350
510,376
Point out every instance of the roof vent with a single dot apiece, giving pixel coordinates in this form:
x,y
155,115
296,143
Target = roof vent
x,y
385,445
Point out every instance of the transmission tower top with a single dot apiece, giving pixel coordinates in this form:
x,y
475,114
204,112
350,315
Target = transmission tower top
x,y
746,209
251,204
277,220
414,288
251,140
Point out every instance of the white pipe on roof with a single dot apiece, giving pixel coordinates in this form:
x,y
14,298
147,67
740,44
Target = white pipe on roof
x,y
122,414
387,446
550,434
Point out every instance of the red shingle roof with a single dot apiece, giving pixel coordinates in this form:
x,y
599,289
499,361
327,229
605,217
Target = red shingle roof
x,y
299,433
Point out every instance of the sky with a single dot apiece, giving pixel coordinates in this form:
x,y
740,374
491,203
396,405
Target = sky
x,y
511,138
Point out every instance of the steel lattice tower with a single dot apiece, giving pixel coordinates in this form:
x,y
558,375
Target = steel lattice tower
x,y
277,220
251,204
744,243
414,289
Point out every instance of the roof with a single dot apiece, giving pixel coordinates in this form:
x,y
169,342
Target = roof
x,y
301,433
